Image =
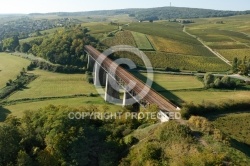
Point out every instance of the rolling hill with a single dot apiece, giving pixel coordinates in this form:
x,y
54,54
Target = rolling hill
x,y
159,13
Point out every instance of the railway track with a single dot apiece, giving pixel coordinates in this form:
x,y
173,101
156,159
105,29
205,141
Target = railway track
x,y
148,94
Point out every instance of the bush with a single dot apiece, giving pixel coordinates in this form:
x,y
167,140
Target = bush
x,y
90,79
12,86
208,80
201,123
218,83
55,68
206,108
131,140
211,82
151,152
172,69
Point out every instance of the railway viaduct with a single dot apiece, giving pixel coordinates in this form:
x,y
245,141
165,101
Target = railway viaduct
x,y
113,77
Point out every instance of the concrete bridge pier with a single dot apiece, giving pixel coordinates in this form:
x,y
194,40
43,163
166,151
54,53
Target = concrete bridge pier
x,y
99,75
91,63
126,96
96,74
129,100
102,77
111,90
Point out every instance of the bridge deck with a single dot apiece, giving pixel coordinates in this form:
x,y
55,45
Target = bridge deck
x,y
151,97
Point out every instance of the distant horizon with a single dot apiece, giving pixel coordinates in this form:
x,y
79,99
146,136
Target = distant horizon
x,y
71,6
110,10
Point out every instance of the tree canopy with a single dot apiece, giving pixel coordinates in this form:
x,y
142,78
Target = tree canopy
x,y
65,47
10,44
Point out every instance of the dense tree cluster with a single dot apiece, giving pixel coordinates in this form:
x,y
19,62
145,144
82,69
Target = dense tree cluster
x,y
22,79
10,44
50,137
210,81
65,47
241,66
24,27
206,108
43,65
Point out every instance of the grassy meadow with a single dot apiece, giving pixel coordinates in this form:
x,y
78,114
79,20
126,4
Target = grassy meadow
x,y
175,82
10,67
200,96
99,27
19,108
186,89
236,125
58,85
142,41
48,33
54,84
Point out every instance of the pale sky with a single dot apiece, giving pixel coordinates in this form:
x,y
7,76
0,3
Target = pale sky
x,y
44,6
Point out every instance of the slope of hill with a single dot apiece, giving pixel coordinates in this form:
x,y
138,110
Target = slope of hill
x,y
156,13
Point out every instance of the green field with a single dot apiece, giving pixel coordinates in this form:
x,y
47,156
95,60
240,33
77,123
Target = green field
x,y
99,27
186,62
10,67
175,82
180,61
173,46
234,23
163,29
226,45
230,54
50,84
142,41
235,125
186,89
53,84
231,38
120,38
213,96
48,33
18,109
209,33
174,49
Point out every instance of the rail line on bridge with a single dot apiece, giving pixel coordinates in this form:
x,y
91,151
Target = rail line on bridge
x,y
149,94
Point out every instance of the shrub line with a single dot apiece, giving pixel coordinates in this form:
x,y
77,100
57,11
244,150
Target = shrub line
x,y
27,100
